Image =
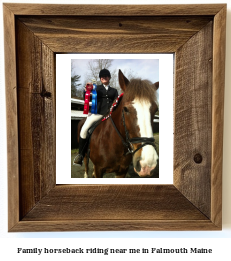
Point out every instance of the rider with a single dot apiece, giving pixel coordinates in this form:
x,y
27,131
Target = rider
x,y
105,97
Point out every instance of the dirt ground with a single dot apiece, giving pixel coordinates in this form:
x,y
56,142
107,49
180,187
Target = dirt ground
x,y
78,171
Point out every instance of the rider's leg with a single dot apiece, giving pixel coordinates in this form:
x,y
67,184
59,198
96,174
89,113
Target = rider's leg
x,y
78,160
88,123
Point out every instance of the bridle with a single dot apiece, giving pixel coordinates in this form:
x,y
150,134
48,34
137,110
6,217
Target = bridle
x,y
129,142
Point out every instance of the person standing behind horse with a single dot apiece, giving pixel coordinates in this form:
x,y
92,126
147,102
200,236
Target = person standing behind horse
x,y
105,97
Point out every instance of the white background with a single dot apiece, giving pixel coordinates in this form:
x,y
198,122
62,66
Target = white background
x,y
63,122
218,240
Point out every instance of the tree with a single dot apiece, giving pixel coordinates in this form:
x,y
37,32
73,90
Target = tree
x,y
96,65
74,85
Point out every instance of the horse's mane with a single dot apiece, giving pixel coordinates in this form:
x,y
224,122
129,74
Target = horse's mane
x,y
136,89
140,89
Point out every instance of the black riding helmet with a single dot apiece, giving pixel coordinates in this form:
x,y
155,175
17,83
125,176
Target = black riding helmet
x,y
104,72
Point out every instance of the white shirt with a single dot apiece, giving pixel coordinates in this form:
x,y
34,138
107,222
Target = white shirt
x,y
106,87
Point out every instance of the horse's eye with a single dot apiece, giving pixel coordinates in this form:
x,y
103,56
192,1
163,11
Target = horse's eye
x,y
126,109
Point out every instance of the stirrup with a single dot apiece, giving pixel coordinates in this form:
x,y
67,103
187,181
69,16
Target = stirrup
x,y
78,160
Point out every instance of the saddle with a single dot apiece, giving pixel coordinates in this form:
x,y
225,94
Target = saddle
x,y
92,128
88,138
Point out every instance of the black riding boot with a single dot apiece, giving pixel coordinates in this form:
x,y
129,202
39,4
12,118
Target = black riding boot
x,y
78,160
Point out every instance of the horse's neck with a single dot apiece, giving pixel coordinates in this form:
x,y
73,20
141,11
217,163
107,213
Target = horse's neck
x,y
117,118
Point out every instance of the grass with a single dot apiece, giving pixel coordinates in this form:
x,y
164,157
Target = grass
x,y
75,151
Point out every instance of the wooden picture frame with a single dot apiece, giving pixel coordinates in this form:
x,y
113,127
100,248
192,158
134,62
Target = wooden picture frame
x,y
34,33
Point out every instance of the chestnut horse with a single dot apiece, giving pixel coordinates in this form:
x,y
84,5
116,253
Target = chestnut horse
x,y
127,133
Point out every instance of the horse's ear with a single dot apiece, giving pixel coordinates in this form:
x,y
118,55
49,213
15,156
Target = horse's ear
x,y
156,85
123,81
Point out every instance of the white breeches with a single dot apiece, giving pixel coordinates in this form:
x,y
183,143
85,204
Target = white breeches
x,y
91,118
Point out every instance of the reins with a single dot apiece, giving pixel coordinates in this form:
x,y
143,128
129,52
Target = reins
x,y
129,142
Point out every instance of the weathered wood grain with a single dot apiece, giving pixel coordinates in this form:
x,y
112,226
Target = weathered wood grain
x,y
193,113
115,34
218,115
91,208
115,25
114,225
114,10
100,203
11,116
36,106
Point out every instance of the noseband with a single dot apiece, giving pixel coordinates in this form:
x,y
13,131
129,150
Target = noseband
x,y
129,142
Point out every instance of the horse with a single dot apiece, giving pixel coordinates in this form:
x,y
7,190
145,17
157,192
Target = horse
x,y
126,134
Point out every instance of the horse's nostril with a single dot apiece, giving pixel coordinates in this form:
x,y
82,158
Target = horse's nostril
x,y
138,166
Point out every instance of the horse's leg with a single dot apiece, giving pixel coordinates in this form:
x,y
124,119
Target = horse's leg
x,y
93,173
98,172
86,167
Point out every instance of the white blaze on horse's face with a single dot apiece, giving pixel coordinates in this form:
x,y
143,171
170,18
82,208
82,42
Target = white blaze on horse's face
x,y
149,155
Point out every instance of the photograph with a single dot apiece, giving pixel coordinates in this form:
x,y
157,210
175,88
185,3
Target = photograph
x,y
114,118
113,132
